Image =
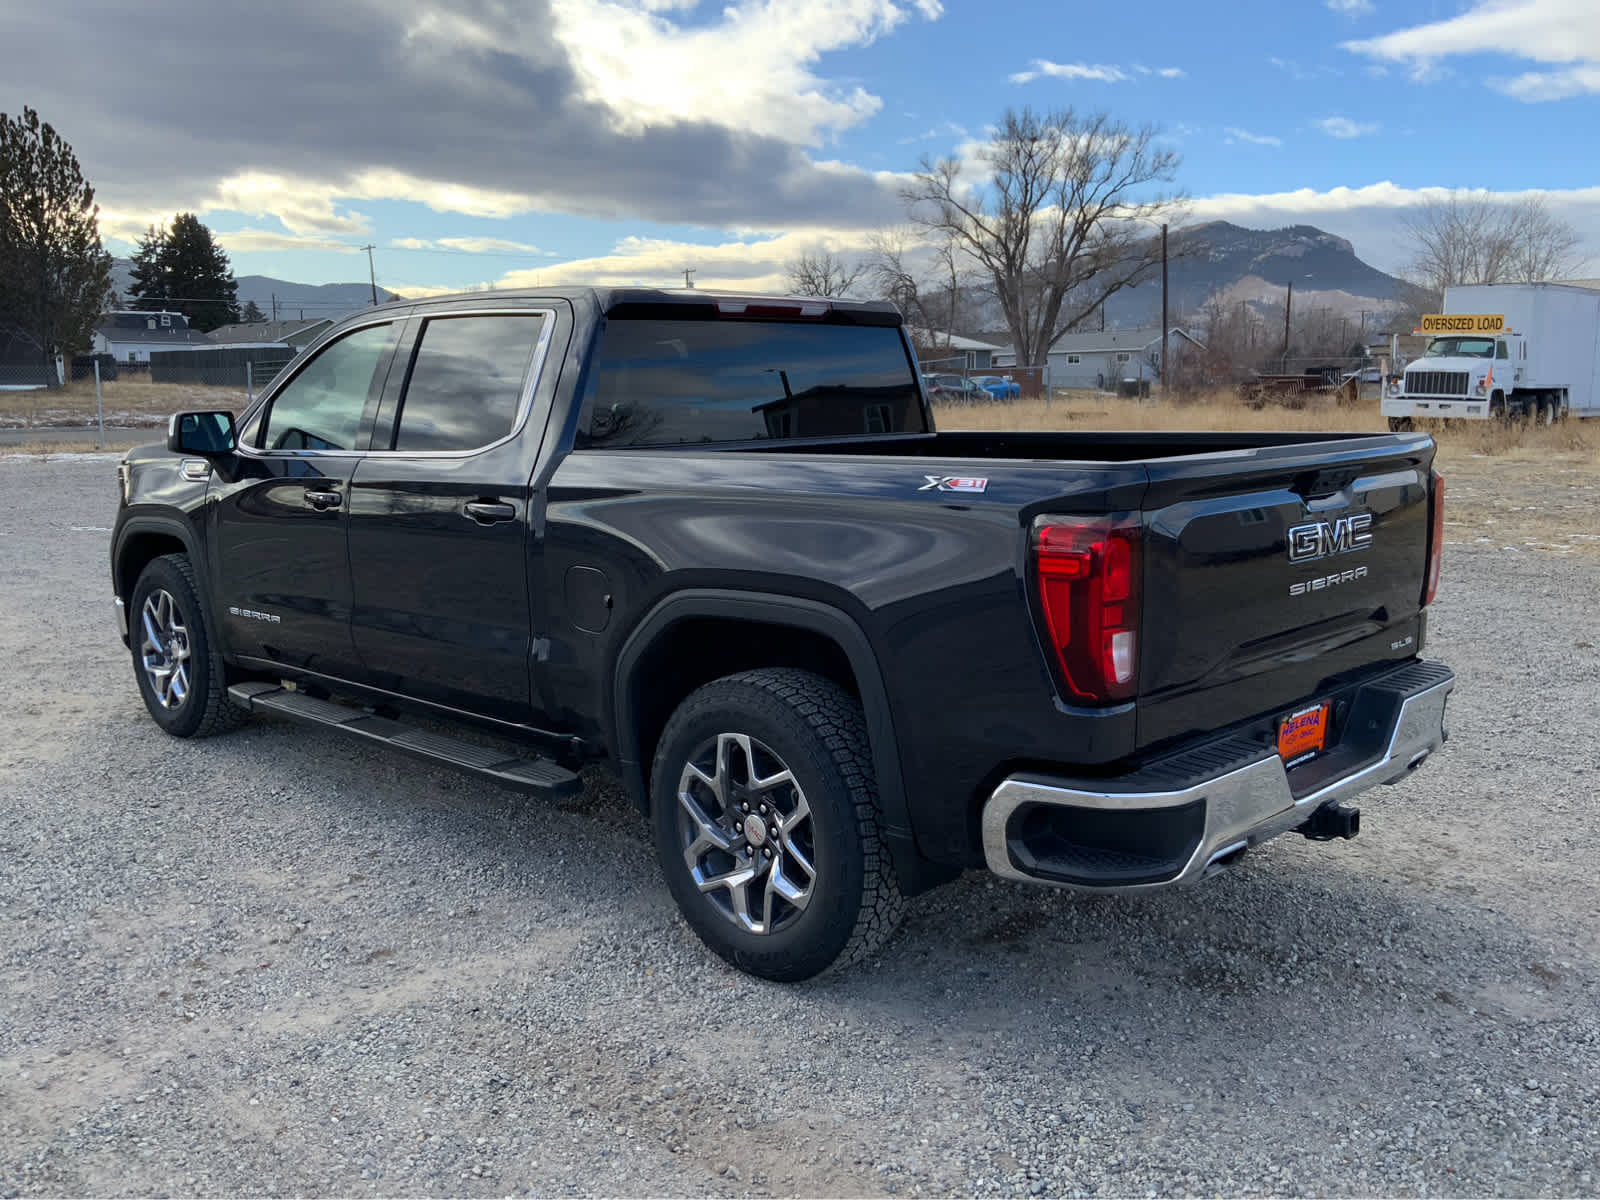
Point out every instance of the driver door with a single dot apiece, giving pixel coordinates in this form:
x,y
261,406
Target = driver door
x,y
281,569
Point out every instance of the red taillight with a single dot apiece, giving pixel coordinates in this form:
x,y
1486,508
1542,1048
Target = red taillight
x,y
1435,540
1088,572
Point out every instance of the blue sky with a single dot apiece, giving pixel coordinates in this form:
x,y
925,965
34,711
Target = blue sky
x,y
474,143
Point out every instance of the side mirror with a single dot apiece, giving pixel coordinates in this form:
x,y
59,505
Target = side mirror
x,y
201,433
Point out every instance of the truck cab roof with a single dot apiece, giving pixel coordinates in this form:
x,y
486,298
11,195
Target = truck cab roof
x,y
686,304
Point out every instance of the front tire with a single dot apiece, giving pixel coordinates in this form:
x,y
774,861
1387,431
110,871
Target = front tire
x,y
175,658
1400,425
764,815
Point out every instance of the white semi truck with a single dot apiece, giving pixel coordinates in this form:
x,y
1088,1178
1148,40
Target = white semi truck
x,y
1504,351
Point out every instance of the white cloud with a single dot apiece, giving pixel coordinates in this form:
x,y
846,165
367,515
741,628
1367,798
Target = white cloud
x,y
1095,72
1351,8
128,226
250,241
301,210
612,109
487,245
467,245
1535,86
750,70
1344,127
1236,134
752,265
1565,33
1043,68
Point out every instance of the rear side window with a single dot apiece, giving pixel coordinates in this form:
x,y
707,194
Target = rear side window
x,y
466,382
321,407
663,382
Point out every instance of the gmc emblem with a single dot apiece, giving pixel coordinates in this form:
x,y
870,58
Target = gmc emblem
x,y
1324,538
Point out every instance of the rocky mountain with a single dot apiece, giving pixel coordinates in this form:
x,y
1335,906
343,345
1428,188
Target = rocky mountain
x,y
294,300
1255,266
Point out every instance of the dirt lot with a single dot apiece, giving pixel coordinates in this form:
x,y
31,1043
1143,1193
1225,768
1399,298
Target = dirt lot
x,y
273,963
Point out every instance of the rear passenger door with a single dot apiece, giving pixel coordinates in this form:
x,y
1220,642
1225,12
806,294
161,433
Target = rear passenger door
x,y
442,515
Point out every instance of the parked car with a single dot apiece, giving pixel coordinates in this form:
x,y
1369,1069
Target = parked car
x,y
1000,389
957,389
836,657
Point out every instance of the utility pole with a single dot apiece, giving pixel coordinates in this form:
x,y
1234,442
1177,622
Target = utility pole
x,y
1288,309
372,274
1164,318
274,306
687,282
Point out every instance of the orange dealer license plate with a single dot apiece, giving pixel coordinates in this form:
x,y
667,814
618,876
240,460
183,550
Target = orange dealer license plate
x,y
1303,735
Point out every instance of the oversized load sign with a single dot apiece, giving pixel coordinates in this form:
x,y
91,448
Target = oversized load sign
x,y
1463,323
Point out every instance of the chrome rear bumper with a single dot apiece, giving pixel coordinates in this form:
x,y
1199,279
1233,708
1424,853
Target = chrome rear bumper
x,y
1209,802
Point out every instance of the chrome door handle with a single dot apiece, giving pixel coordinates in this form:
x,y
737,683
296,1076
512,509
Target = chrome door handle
x,y
323,500
489,512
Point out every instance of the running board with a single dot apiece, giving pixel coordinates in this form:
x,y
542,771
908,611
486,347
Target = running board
x,y
539,776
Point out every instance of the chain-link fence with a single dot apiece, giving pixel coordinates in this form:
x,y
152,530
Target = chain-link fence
x,y
26,376
953,381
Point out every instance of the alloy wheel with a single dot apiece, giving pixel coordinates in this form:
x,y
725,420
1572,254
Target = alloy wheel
x,y
746,833
164,650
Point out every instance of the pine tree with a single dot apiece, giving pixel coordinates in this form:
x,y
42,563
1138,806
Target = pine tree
x,y
251,313
54,273
149,288
198,276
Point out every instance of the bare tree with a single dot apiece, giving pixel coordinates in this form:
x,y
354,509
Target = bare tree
x,y
924,281
1057,223
822,274
1471,238
1543,246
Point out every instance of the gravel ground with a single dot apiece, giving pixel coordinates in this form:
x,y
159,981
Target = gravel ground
x,y
274,963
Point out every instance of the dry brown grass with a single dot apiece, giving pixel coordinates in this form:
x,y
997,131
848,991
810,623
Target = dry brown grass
x,y
46,448
130,403
1507,485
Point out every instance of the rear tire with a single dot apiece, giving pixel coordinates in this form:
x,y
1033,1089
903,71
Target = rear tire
x,y
176,661
764,815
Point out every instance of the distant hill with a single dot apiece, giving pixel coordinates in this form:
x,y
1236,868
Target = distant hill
x,y
294,300
1256,266
1251,266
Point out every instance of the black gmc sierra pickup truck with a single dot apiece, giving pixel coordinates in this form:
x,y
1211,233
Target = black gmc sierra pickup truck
x,y
835,656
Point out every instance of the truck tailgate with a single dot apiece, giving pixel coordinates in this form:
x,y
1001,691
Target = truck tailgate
x,y
1270,574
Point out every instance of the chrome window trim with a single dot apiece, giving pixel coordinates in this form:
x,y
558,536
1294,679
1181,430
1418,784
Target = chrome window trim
x,y
271,394
524,405
535,371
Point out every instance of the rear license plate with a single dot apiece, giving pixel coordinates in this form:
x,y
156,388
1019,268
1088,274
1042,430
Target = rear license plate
x,y
1303,735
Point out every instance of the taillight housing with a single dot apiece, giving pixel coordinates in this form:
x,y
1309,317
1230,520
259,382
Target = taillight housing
x,y
1430,589
1088,572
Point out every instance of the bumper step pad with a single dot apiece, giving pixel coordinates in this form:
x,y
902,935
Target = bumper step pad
x,y
536,776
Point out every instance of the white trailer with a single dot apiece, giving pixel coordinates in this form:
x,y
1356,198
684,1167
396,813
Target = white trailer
x,y
1505,350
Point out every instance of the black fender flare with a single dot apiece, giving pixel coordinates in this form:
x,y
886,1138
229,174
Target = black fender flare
x,y
167,526
916,873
